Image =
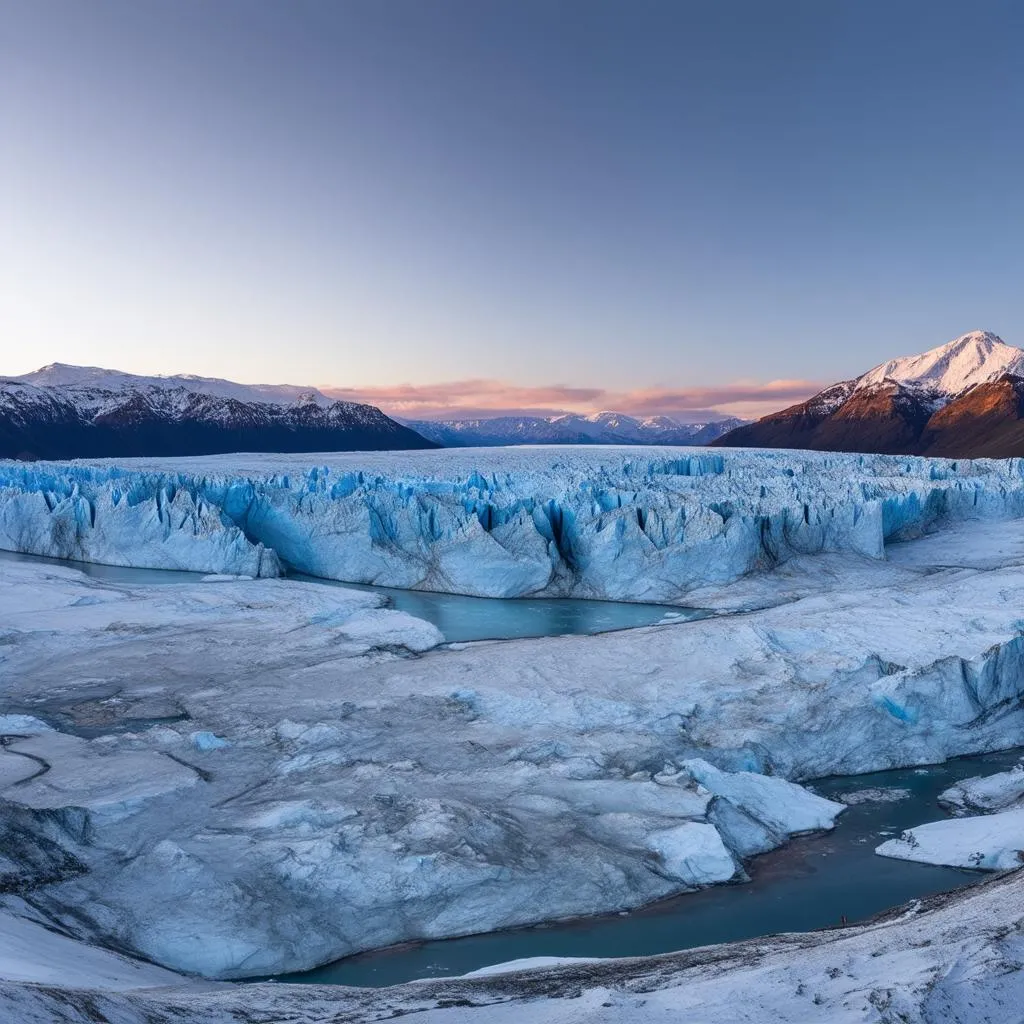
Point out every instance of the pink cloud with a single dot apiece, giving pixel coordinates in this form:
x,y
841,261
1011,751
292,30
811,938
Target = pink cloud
x,y
481,399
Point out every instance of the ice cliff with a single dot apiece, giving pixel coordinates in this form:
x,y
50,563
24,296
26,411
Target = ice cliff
x,y
625,524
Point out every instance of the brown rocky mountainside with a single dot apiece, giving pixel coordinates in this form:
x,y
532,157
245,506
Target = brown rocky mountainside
x,y
986,420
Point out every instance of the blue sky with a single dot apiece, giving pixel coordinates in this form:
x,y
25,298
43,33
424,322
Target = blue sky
x,y
616,196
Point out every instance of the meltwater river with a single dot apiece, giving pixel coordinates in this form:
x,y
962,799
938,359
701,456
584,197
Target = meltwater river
x,y
812,882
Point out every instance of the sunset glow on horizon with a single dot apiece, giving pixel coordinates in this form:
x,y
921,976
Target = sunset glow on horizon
x,y
645,204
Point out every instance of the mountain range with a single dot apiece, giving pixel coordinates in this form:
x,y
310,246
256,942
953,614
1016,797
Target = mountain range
x,y
63,412
570,428
964,399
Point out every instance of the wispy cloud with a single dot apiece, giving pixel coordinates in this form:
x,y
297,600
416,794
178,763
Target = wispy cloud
x,y
474,398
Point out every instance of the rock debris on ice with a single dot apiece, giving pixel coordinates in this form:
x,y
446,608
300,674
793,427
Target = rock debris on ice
x,y
873,795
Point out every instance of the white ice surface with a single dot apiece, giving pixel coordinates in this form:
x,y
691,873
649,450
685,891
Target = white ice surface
x,y
22,724
985,794
989,842
782,806
693,853
530,963
58,771
29,952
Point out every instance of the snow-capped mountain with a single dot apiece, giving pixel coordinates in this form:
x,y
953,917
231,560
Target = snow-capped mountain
x,y
962,399
63,411
570,428
949,370
95,380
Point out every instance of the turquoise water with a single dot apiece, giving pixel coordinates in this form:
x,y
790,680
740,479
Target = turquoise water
x,y
812,882
461,619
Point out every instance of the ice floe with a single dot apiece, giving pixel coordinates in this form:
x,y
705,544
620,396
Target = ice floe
x,y
990,842
984,794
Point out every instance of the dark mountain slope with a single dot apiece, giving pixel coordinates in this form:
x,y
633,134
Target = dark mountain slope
x,y
120,416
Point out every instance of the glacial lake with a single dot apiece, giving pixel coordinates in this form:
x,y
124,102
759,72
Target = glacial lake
x,y
812,882
461,619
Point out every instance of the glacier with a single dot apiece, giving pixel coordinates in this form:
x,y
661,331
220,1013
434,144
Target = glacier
x,y
250,777
633,524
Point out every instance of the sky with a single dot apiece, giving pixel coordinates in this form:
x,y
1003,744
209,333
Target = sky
x,y
671,205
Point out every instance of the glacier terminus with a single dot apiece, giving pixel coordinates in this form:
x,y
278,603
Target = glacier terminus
x,y
632,524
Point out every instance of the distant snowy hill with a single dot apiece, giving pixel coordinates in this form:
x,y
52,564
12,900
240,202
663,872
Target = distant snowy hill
x,y
95,379
569,428
61,412
962,399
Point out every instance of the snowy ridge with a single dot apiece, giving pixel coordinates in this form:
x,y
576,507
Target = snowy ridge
x,y
67,411
615,523
832,398
571,428
93,381
96,391
947,371
964,399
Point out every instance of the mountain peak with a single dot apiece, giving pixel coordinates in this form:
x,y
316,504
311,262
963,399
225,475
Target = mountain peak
x,y
962,399
65,375
973,358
